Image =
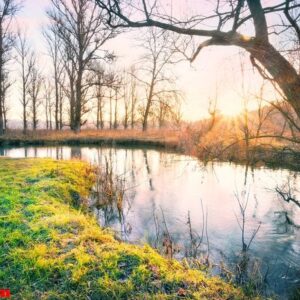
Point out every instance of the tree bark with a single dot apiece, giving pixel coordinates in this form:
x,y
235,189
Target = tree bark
x,y
280,69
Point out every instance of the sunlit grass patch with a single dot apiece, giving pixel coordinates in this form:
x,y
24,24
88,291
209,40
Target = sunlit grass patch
x,y
51,250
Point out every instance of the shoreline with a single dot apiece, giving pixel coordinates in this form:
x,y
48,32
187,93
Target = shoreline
x,y
167,140
90,137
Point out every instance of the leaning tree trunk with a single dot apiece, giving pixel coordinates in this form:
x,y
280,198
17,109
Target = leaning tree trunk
x,y
281,71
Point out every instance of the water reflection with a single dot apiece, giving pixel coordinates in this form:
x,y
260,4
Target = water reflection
x,y
184,208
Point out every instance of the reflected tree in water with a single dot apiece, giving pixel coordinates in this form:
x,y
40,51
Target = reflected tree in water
x,y
76,152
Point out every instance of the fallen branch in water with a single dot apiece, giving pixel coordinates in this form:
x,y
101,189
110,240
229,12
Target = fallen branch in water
x,y
287,196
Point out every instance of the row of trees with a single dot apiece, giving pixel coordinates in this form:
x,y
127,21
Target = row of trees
x,y
79,29
84,80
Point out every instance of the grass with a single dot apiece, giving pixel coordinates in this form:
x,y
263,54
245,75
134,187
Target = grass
x,y
162,138
50,248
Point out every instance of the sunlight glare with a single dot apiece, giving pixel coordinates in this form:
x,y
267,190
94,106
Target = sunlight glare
x,y
231,109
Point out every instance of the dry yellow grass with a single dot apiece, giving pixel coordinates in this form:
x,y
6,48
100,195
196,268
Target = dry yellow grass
x,y
166,138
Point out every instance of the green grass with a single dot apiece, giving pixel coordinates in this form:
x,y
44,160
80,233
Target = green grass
x,y
49,249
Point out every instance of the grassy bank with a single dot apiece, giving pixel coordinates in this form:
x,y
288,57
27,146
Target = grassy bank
x,y
158,138
51,249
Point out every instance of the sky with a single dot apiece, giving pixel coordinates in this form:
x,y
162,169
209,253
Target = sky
x,y
216,73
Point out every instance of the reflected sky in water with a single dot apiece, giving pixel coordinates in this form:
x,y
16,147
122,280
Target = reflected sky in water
x,y
170,184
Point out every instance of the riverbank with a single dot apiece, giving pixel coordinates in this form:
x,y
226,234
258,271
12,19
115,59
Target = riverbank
x,y
157,138
51,249
274,154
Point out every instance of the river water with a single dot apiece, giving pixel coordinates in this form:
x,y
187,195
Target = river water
x,y
173,201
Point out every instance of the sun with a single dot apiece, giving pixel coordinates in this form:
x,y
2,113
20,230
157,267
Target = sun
x,y
231,109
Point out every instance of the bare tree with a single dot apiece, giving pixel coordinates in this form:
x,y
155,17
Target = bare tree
x,y
6,84
133,96
243,200
53,41
110,108
112,84
99,94
126,109
69,89
253,124
177,115
213,110
48,103
26,60
226,20
116,88
34,90
81,29
61,96
168,109
126,99
8,9
154,67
